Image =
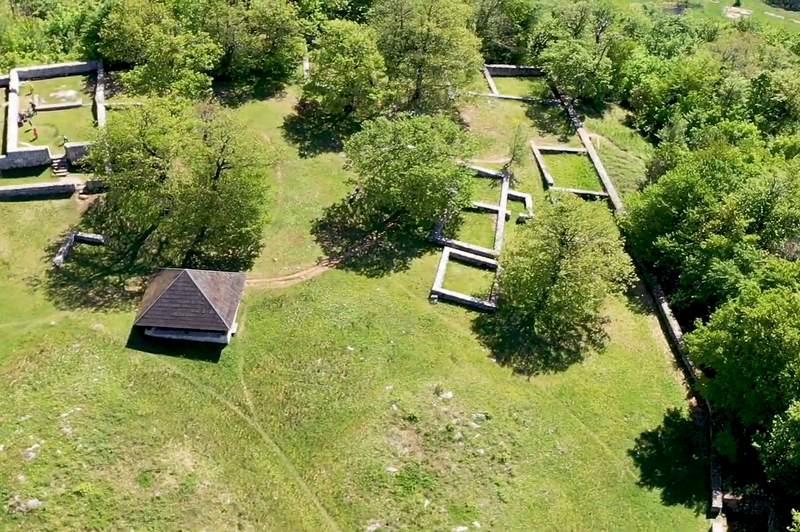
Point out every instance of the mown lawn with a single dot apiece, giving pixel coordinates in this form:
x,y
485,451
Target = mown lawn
x,y
76,124
345,402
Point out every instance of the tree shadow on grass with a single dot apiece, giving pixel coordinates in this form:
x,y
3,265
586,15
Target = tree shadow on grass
x,y
89,279
673,458
356,242
551,119
554,350
199,351
237,93
315,132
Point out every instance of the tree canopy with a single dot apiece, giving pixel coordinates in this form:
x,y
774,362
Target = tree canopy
x,y
349,75
553,285
186,188
431,54
408,170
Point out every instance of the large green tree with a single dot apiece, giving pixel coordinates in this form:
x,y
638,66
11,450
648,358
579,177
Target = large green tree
x,y
553,285
709,222
580,69
408,171
779,449
164,57
752,343
349,76
431,53
503,26
187,187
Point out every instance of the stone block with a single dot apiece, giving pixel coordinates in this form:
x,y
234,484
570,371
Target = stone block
x,y
38,190
514,71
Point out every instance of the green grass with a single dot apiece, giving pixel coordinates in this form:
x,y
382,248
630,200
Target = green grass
x,y
468,279
478,229
76,124
534,87
494,122
26,176
705,8
573,171
485,189
327,385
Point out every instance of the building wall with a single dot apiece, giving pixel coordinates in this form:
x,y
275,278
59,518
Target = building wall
x,y
189,336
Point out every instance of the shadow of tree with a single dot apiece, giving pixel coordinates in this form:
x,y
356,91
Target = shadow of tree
x,y
199,351
357,242
673,458
314,132
89,279
550,120
235,93
555,348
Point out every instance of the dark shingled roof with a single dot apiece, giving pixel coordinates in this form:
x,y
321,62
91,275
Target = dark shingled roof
x,y
196,300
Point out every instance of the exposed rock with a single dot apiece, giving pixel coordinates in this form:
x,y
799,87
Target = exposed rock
x,y
16,504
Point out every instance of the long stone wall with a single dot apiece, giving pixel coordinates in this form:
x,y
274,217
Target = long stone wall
x,y
56,70
38,190
26,158
514,71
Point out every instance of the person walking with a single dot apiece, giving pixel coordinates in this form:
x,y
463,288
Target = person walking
x,y
35,134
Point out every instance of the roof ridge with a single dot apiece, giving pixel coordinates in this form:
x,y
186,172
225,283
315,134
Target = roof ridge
x,y
208,299
144,312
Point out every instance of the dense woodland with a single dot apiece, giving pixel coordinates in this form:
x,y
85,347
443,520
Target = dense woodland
x,y
717,217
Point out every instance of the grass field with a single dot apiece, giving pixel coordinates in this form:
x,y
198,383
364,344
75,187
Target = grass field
x,y
716,10
76,124
345,403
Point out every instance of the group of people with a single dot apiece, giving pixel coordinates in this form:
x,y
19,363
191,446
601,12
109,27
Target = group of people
x,y
26,116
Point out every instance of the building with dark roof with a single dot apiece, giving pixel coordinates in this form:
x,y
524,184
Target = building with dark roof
x,y
194,305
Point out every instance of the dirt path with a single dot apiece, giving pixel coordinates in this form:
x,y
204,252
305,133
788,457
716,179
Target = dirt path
x,y
295,278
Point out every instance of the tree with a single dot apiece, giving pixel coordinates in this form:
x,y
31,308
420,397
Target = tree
x,y
186,188
779,449
431,54
552,288
165,58
574,17
775,102
579,69
795,521
752,344
709,222
408,173
503,26
348,77
263,43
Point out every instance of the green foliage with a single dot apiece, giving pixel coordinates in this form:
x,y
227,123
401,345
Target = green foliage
x,y
186,188
504,26
553,286
408,172
753,345
431,54
707,223
262,42
166,59
348,77
580,69
779,449
795,522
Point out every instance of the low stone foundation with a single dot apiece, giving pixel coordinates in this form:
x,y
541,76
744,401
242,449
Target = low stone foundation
x,y
37,190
